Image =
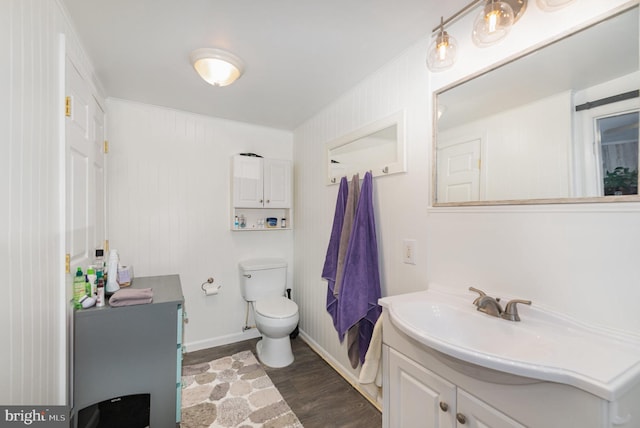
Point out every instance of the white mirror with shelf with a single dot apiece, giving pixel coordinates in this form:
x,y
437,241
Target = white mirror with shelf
x,y
378,147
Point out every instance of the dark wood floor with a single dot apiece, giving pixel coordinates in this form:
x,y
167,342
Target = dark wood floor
x,y
316,393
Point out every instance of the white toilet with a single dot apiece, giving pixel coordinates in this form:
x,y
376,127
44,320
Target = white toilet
x,y
263,283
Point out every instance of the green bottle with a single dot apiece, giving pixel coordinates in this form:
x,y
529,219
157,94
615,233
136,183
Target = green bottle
x,y
78,288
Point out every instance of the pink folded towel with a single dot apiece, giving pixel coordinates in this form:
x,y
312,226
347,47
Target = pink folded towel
x,y
131,296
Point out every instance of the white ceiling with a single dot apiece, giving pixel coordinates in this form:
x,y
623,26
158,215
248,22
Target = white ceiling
x,y
300,55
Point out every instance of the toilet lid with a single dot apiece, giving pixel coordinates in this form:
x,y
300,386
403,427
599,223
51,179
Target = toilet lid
x,y
276,307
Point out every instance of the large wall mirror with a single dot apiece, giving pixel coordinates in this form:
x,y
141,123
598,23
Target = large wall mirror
x,y
556,125
378,147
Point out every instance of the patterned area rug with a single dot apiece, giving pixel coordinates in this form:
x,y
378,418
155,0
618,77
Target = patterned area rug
x,y
233,391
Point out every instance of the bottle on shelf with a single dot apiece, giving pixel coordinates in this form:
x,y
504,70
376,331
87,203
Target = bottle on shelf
x,y
79,290
100,290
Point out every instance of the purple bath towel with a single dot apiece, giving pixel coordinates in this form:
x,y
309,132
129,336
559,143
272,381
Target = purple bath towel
x,y
329,272
360,291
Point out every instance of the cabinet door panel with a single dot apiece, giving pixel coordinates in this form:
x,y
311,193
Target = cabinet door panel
x,y
416,395
481,415
247,182
277,184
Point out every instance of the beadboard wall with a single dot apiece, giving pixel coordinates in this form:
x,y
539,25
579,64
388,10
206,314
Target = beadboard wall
x,y
169,207
33,363
576,259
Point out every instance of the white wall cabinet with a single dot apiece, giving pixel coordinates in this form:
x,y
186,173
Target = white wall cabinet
x,y
261,188
421,398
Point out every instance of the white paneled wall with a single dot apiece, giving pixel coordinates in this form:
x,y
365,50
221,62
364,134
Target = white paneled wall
x,y
401,85
33,365
169,206
575,259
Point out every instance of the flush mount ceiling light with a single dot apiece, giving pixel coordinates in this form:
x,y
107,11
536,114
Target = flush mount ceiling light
x,y
551,5
216,66
442,52
493,23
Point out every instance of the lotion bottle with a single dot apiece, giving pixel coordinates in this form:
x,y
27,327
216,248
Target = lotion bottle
x,y
112,278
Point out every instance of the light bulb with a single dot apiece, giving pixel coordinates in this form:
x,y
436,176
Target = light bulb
x,y
442,52
493,23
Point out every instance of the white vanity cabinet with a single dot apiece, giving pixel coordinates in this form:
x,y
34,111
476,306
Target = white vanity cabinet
x,y
261,188
429,389
420,398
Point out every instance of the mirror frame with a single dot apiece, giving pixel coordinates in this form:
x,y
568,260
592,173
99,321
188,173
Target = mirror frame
x,y
483,71
388,168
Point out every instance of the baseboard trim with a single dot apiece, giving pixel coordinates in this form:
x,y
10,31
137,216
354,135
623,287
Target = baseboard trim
x,y
222,340
340,369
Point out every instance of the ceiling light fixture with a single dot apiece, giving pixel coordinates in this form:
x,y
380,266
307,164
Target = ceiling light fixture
x,y
216,66
442,51
493,23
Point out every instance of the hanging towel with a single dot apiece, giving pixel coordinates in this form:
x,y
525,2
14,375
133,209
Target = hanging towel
x,y
329,272
353,347
347,226
371,371
360,289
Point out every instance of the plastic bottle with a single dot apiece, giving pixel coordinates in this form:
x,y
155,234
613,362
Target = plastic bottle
x,y
91,278
112,278
100,290
236,222
78,288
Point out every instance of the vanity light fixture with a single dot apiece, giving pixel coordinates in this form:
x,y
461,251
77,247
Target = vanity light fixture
x,y
553,5
216,66
491,25
442,51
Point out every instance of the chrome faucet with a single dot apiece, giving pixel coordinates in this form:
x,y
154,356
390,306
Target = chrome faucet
x,y
491,306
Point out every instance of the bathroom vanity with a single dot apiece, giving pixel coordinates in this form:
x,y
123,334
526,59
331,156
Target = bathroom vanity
x,y
448,365
131,351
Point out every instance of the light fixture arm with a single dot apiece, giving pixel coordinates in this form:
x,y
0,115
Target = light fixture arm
x,y
518,7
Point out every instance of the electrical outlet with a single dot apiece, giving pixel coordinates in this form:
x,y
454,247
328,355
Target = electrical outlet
x,y
409,251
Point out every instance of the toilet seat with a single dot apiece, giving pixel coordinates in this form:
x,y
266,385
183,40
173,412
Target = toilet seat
x,y
276,307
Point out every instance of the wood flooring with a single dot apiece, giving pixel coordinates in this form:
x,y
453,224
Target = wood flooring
x,y
316,393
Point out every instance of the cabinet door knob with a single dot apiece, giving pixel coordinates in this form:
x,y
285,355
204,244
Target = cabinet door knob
x,y
268,201
461,418
261,201
444,406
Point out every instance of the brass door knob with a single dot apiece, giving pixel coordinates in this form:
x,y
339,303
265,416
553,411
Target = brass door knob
x,y
461,418
444,406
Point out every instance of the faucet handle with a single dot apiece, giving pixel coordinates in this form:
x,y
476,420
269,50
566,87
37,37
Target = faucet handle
x,y
481,295
511,310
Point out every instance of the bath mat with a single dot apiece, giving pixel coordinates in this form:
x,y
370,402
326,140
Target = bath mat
x,y
233,391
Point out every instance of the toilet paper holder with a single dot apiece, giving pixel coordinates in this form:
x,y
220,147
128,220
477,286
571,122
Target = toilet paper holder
x,y
208,291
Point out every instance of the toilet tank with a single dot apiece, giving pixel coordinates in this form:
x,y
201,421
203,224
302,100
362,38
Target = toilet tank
x,y
262,278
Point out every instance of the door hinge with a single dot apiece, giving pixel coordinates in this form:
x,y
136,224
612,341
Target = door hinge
x,y
105,148
67,106
67,263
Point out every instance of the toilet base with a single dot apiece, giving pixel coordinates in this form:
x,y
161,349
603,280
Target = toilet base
x,y
275,353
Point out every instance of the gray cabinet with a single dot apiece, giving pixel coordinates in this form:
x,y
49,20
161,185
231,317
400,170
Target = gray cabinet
x,y
131,350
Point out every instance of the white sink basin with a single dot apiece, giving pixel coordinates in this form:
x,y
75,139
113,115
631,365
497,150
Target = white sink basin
x,y
543,345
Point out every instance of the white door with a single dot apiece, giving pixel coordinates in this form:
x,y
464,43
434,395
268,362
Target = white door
x,y
459,172
277,183
418,397
85,191
85,171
